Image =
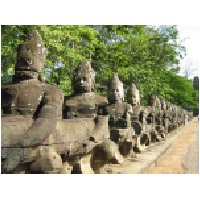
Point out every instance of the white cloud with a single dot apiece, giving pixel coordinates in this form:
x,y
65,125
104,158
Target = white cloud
x,y
189,34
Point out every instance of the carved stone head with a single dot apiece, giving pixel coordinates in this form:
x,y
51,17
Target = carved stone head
x,y
167,105
174,108
84,78
115,90
152,100
163,104
133,95
31,56
158,104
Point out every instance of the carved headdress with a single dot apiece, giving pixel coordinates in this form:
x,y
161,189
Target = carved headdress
x,y
133,95
31,56
84,78
115,89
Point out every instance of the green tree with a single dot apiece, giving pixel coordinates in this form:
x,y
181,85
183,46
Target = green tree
x,y
67,45
148,56
141,51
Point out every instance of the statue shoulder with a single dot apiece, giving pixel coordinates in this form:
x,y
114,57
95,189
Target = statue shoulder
x,y
101,100
68,101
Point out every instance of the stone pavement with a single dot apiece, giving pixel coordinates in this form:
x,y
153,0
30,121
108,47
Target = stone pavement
x,y
191,160
178,154
182,157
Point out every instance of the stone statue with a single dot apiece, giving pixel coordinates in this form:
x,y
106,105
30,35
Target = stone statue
x,y
33,134
170,115
133,96
159,119
84,102
84,105
27,94
162,126
30,109
152,100
115,90
41,132
158,103
31,56
163,104
118,110
153,119
175,116
84,78
164,116
138,124
119,113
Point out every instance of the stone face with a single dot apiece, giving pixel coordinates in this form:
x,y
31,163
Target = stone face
x,y
133,96
83,78
152,100
30,58
115,91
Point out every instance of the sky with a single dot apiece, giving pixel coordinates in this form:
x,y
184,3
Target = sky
x,y
189,34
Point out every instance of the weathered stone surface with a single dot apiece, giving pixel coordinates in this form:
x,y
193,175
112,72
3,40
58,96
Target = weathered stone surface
x,y
84,105
48,161
13,130
84,102
101,129
31,56
115,90
83,78
30,108
119,113
66,168
138,119
133,96
85,165
112,151
44,133
30,99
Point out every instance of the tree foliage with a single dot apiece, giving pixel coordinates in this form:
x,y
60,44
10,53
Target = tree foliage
x,y
145,55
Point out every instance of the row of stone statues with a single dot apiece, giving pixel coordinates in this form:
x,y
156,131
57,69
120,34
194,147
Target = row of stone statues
x,y
45,132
